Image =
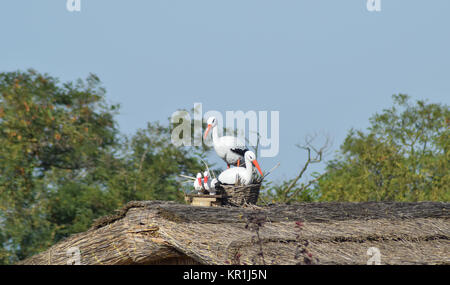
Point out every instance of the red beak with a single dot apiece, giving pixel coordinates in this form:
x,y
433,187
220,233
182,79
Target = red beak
x,y
205,179
257,167
207,131
199,181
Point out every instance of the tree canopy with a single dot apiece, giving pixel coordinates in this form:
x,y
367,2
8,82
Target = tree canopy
x,y
403,156
64,163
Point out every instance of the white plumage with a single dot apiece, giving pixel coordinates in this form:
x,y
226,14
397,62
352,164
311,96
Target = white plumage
x,y
230,149
198,183
206,180
241,174
212,186
209,184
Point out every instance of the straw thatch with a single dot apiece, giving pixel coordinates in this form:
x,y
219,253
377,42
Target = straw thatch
x,y
154,232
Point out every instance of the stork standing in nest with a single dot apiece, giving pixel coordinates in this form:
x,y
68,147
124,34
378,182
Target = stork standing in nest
x,y
241,174
229,148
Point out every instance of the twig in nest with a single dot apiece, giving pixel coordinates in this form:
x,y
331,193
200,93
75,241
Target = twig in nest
x,y
207,168
189,177
273,168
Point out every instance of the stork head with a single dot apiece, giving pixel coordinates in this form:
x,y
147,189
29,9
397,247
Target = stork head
x,y
212,122
250,156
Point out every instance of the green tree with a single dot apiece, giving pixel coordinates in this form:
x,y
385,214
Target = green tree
x,y
145,166
63,162
48,133
150,166
404,156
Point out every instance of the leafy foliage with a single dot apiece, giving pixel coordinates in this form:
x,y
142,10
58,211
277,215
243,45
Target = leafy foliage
x,y
404,156
150,166
48,134
63,162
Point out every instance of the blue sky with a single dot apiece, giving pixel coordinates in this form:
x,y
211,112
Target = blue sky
x,y
326,65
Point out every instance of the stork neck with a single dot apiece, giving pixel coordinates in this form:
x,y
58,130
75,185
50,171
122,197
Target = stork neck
x,y
215,133
248,166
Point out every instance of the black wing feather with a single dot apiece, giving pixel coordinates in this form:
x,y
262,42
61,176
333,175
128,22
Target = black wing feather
x,y
240,151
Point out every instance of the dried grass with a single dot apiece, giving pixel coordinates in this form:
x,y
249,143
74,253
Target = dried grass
x,y
155,232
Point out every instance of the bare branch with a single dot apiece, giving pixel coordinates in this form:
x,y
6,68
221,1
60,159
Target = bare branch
x,y
298,190
315,155
256,147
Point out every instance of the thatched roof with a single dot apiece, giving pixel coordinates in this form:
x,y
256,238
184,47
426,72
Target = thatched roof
x,y
155,232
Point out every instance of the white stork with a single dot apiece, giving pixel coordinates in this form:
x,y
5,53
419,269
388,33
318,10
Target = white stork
x,y
198,183
243,174
229,148
210,184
